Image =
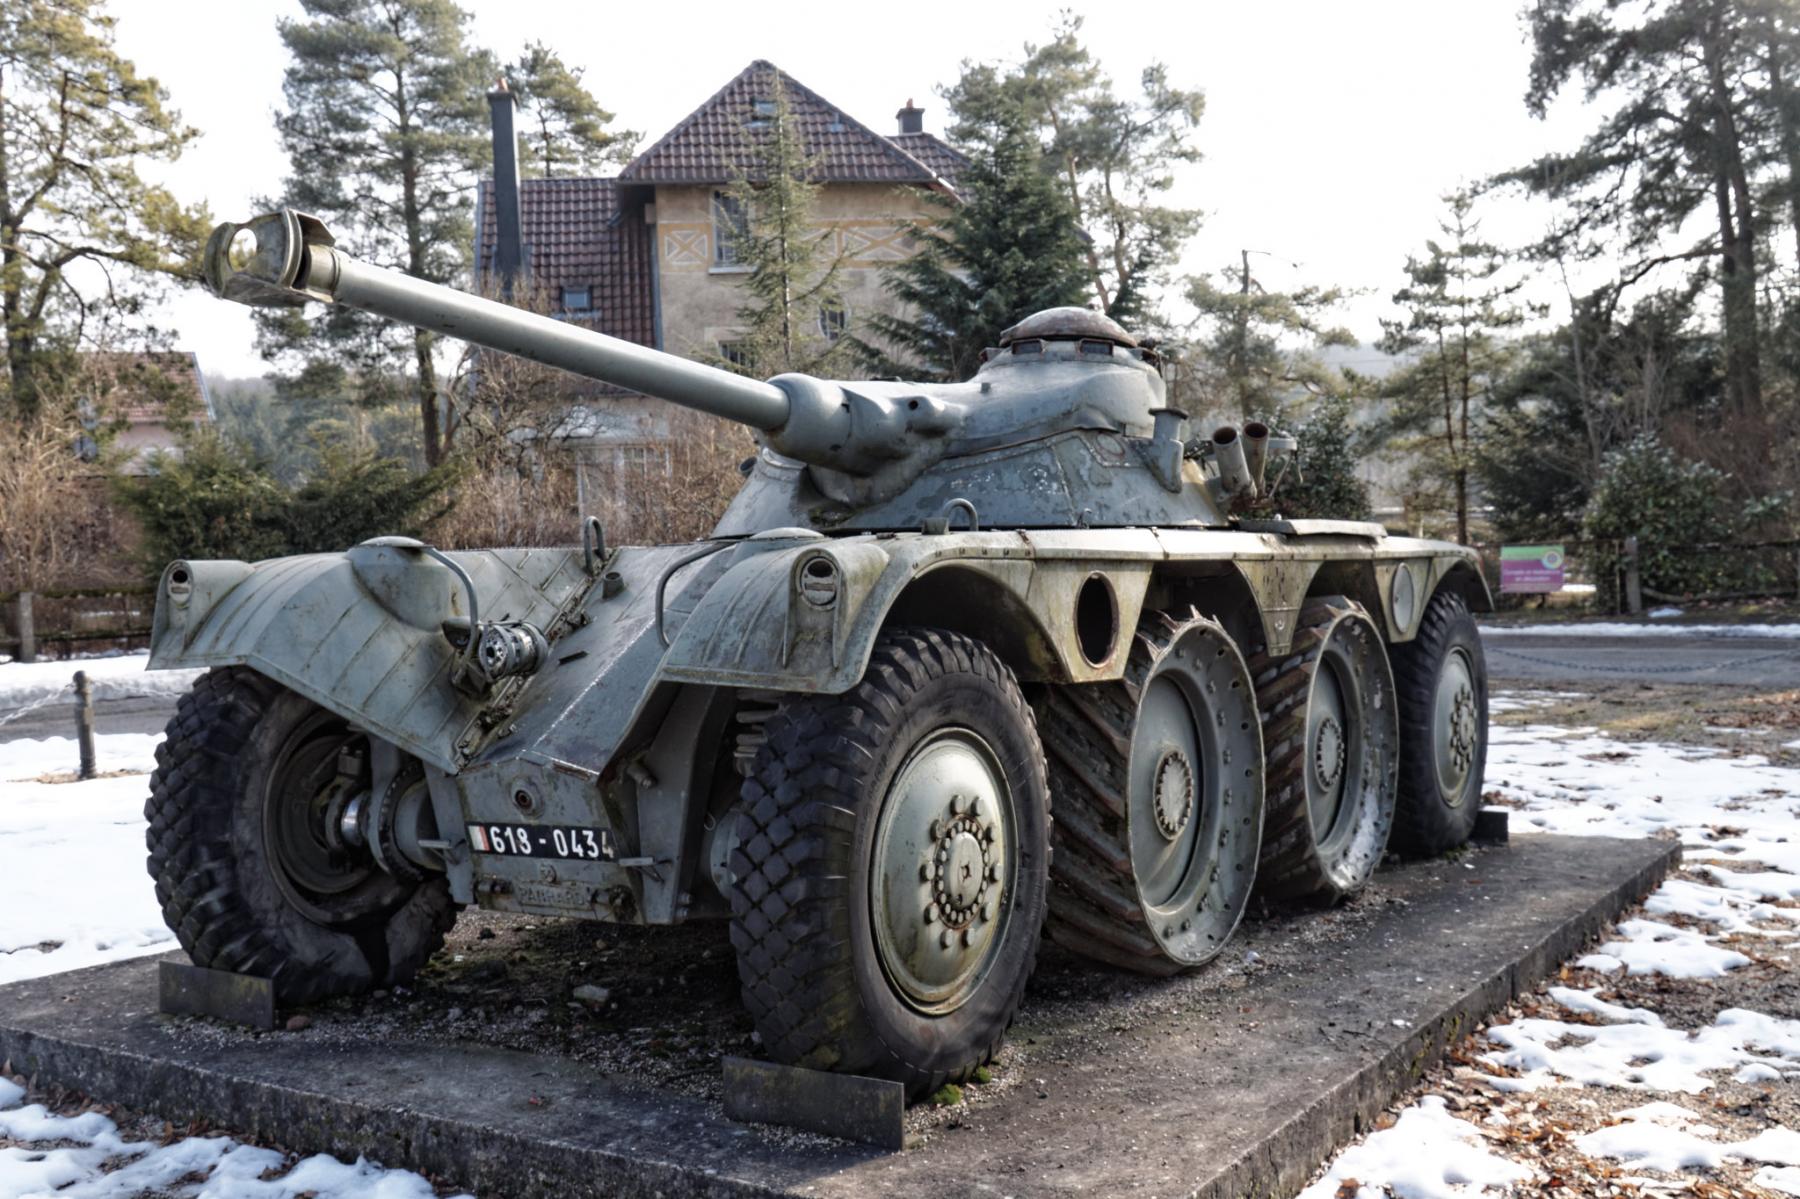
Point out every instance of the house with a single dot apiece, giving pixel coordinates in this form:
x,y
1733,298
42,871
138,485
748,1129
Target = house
x,y
145,398
646,255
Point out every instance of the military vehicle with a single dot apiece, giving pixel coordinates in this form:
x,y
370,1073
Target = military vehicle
x,y
962,664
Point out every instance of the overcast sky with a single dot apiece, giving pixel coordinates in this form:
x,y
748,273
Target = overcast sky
x,y
1331,129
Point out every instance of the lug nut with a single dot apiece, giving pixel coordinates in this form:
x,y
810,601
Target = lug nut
x,y
944,939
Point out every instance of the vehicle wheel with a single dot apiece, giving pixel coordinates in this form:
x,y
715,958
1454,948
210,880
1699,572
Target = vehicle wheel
x,y
1157,788
890,867
1331,736
1440,678
243,871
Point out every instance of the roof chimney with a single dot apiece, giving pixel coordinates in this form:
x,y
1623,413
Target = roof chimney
x,y
509,246
912,120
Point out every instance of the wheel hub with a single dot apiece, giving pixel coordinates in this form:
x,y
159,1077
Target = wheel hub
x,y
1174,793
961,865
1329,752
1457,728
940,871
1462,729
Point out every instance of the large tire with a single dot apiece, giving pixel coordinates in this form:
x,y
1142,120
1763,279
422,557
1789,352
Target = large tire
x,y
236,747
833,850
1157,788
1331,736
1441,679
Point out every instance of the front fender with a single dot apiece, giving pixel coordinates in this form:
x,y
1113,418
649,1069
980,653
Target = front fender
x,y
359,632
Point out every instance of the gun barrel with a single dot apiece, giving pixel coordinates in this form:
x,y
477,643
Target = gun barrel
x,y
288,258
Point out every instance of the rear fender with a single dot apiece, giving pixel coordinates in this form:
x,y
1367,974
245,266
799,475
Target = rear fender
x,y
359,632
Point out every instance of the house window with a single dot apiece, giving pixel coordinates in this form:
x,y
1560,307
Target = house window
x,y
762,114
730,225
641,461
834,320
578,299
736,353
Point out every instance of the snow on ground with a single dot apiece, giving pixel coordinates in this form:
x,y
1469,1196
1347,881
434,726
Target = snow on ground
x,y
76,890
1614,628
1738,818
63,1155
22,683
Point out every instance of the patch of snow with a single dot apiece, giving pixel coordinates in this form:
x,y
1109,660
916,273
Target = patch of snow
x,y
1785,1179
69,1156
1604,628
120,675
1427,1154
1764,884
1734,911
1652,947
1590,1003
77,893
1637,1055
1667,1138
30,758
1663,613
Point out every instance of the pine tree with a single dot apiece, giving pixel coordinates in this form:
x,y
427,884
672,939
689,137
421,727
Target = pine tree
x,y
1249,363
1113,155
564,130
1455,304
77,122
790,288
386,133
1009,248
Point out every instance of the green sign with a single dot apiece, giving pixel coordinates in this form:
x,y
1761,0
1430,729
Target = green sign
x,y
1531,568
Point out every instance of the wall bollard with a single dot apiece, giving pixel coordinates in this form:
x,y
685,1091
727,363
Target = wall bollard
x,y
84,722
1634,587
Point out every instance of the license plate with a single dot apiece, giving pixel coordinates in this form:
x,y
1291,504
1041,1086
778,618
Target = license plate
x,y
543,841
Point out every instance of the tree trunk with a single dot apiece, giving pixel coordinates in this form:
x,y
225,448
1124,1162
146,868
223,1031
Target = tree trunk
x,y
1783,97
1737,241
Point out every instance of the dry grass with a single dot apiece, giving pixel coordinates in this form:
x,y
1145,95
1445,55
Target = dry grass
x,y
56,528
513,497
1730,718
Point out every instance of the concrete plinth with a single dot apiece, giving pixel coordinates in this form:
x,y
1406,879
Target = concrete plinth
x,y
1235,1084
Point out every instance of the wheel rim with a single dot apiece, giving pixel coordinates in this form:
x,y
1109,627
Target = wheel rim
x,y
1455,726
1166,776
1194,795
1333,741
940,889
329,884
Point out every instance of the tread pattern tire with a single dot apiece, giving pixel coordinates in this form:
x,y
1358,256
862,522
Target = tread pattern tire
x,y
1095,908
1425,824
1292,866
807,961
212,877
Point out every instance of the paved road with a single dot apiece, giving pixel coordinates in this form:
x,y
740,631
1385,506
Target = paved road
x,y
124,714
1769,663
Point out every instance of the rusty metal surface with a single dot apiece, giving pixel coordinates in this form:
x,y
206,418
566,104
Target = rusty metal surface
x,y
869,1110
184,990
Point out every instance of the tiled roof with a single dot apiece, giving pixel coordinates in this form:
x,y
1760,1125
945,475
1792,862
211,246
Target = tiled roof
x,y
705,146
148,386
945,161
577,235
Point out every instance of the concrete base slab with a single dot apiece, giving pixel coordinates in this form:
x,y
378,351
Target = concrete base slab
x,y
1237,1081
